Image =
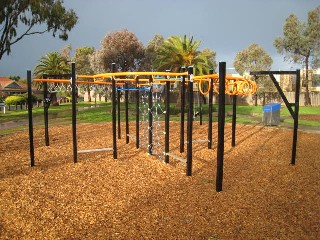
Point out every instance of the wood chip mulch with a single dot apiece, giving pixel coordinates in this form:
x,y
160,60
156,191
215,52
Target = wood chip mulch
x,y
137,196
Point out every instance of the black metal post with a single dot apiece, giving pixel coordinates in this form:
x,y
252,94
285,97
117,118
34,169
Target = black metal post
x,y
74,112
190,122
150,106
167,119
119,127
29,80
46,104
200,105
210,111
221,123
126,101
284,98
294,113
296,118
137,113
114,113
183,103
234,120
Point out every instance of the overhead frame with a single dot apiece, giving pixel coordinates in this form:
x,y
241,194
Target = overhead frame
x,y
294,113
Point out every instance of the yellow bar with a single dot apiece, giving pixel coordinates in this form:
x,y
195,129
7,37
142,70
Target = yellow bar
x,y
215,76
118,74
77,82
234,85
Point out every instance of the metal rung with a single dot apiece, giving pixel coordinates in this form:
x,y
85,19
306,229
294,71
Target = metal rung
x,y
176,157
198,141
95,150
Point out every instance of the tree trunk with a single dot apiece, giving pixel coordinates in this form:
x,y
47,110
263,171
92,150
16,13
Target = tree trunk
x,y
105,94
178,104
307,101
255,99
54,99
204,99
88,92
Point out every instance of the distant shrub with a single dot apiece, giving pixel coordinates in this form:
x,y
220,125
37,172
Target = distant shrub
x,y
174,110
34,98
15,99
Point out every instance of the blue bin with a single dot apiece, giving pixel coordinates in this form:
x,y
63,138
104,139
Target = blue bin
x,y
271,114
271,107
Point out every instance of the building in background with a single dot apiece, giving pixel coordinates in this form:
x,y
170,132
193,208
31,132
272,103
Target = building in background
x,y
11,87
288,82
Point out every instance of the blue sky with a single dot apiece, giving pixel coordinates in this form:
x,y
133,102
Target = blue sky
x,y
225,26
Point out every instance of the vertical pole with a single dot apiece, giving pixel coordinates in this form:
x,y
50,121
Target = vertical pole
x,y
137,112
114,113
296,118
183,103
126,101
221,122
119,127
190,121
29,80
200,110
150,105
167,119
234,120
74,112
46,104
210,112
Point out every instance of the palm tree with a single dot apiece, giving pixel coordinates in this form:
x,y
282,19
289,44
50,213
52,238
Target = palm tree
x,y
179,51
52,63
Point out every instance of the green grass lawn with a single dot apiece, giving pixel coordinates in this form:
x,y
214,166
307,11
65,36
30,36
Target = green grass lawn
x,y
101,112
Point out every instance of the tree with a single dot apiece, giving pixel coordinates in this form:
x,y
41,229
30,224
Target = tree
x,y
300,43
151,52
27,14
179,51
52,63
252,58
255,58
122,48
16,78
66,52
207,60
82,59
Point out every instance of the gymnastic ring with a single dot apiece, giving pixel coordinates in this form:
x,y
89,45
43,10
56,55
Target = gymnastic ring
x,y
201,90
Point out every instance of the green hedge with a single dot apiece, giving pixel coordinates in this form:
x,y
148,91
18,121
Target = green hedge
x,y
16,99
19,99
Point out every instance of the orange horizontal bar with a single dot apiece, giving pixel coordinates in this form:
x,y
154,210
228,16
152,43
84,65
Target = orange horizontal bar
x,y
77,82
118,74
